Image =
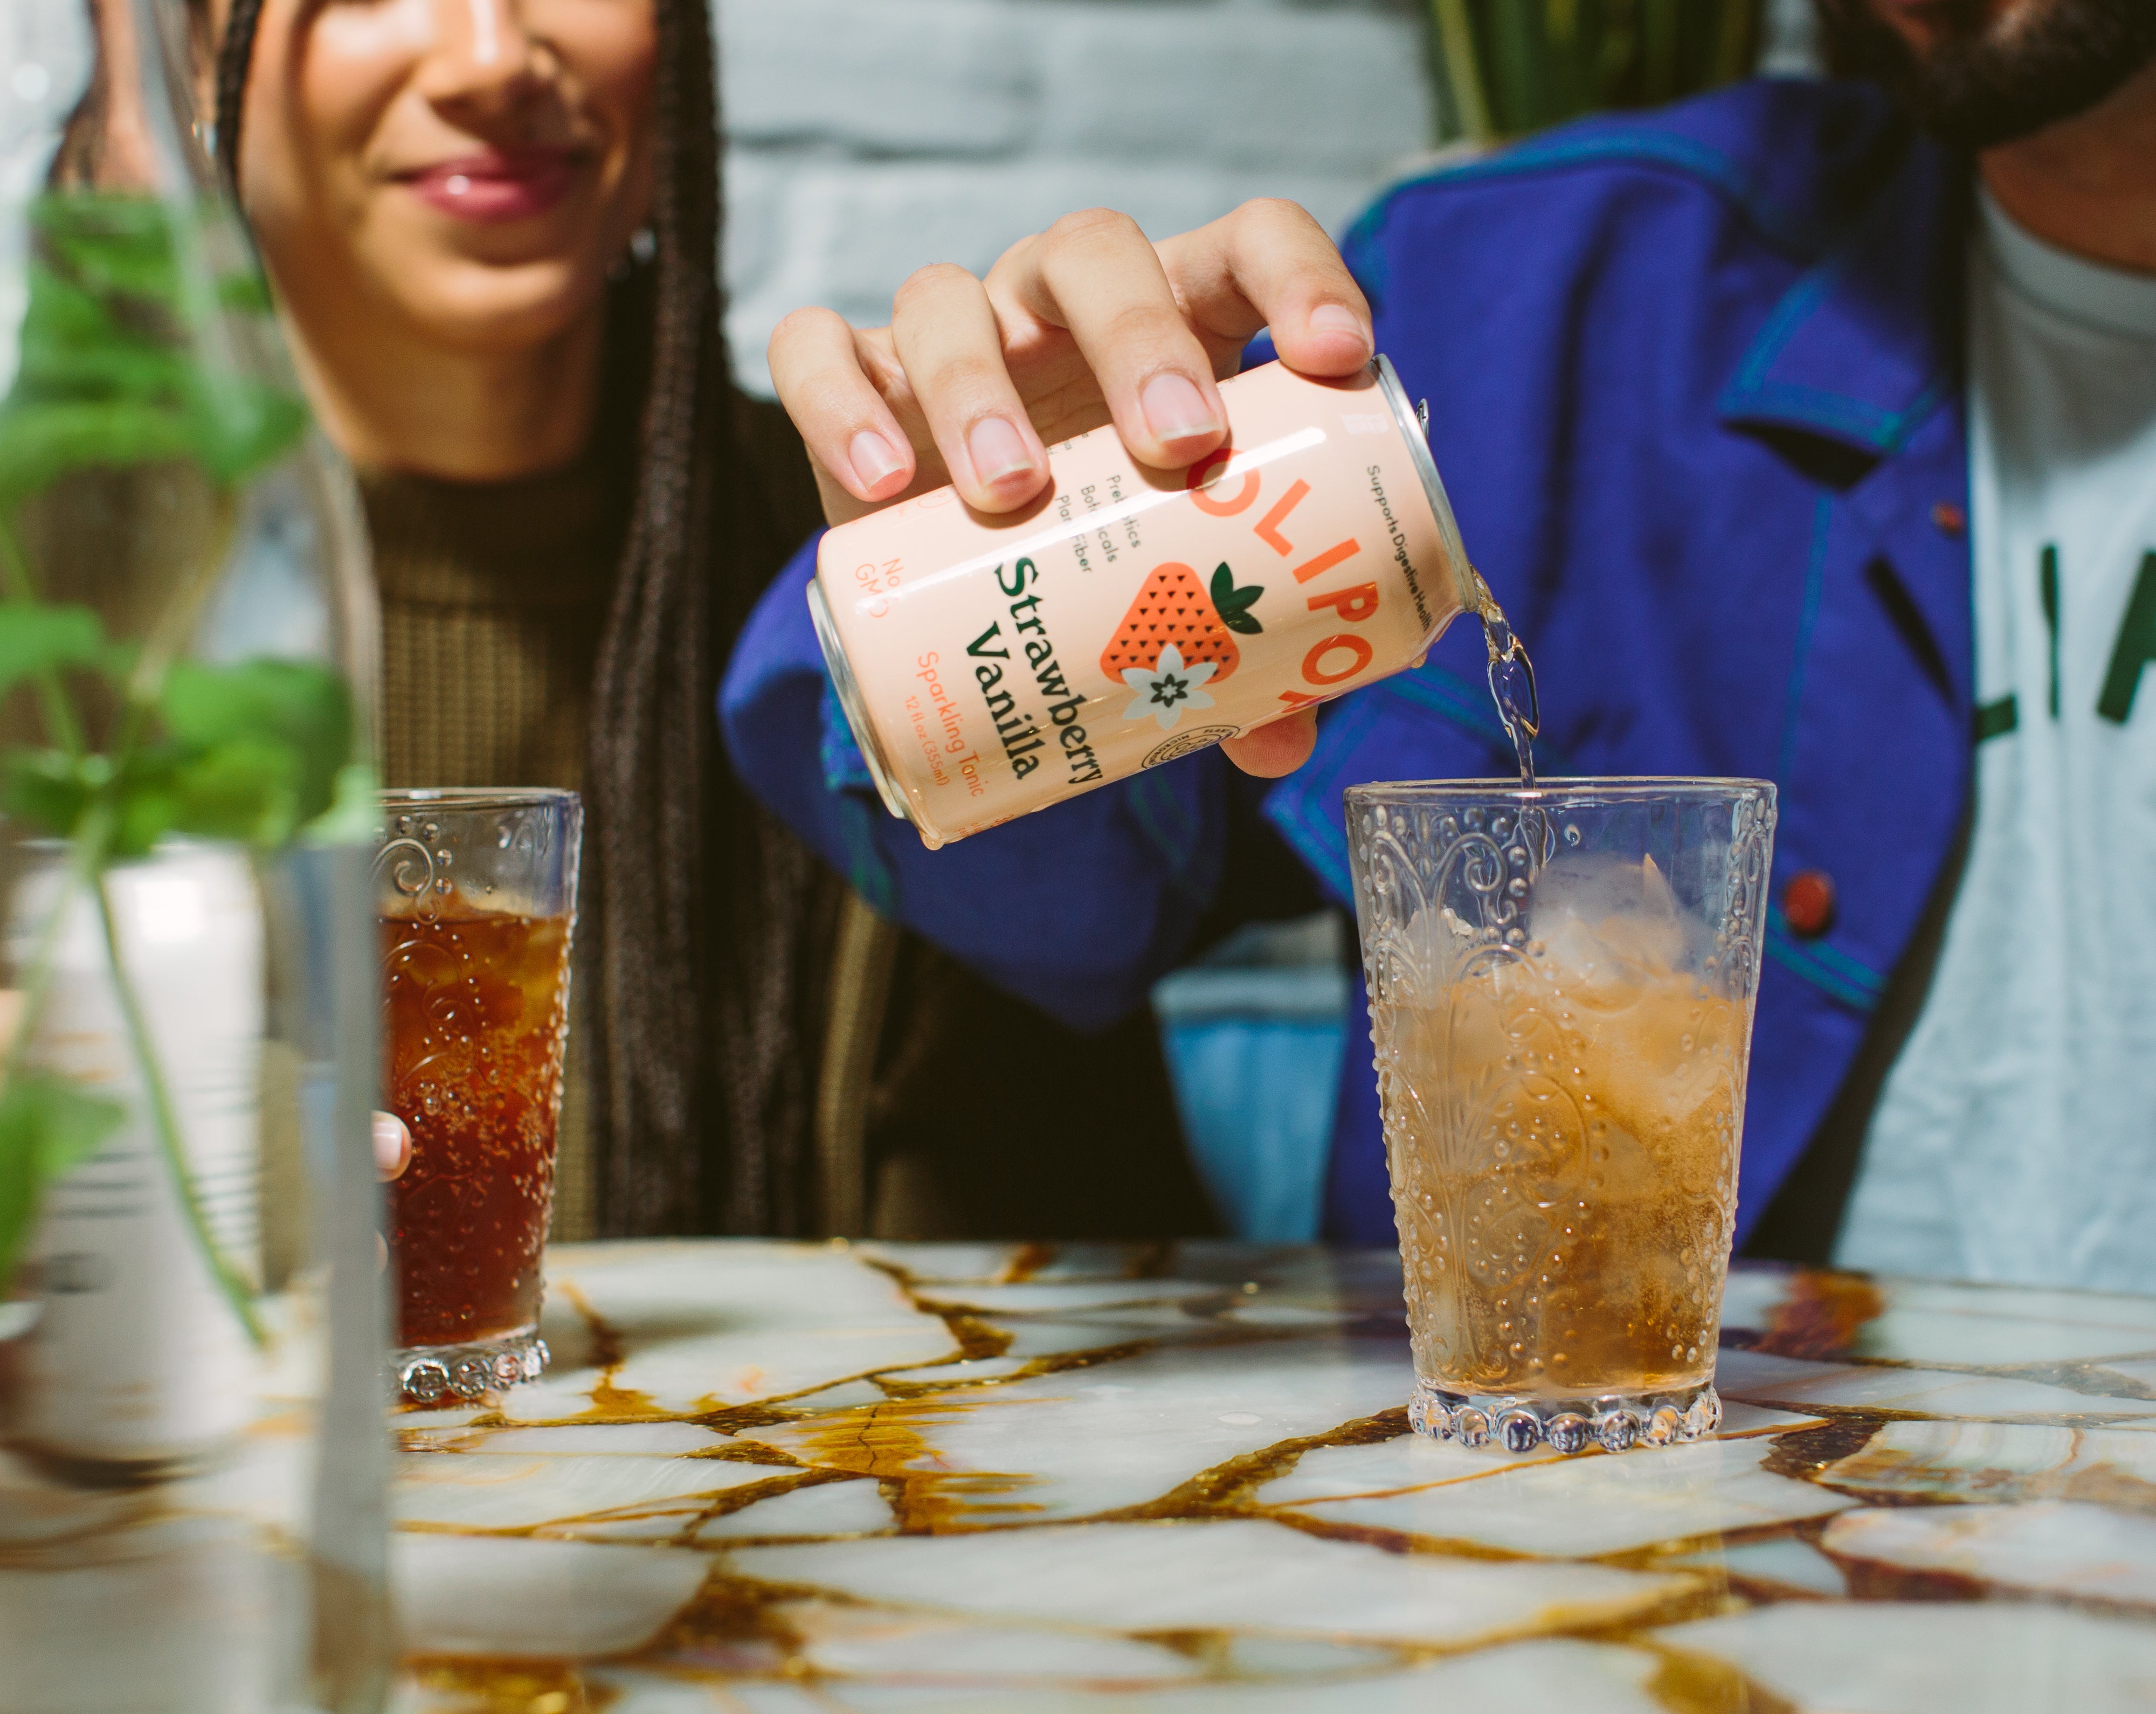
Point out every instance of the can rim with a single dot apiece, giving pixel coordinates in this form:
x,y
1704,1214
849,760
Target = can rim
x,y
1469,591
851,705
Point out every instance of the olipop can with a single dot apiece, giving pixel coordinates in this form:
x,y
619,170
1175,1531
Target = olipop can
x,y
990,667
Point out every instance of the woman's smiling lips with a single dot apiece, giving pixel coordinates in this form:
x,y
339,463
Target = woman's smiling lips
x,y
498,186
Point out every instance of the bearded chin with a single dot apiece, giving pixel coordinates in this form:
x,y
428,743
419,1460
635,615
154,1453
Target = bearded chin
x,y
1986,84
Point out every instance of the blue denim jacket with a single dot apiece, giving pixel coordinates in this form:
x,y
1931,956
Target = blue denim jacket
x,y
1695,385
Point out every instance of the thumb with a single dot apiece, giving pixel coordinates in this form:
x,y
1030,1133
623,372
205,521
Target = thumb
x,y
1278,747
392,1145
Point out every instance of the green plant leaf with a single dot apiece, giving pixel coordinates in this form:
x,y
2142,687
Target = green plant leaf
x,y
351,819
47,789
1234,605
247,292
149,803
246,789
115,241
36,637
295,705
251,753
75,343
40,443
48,1125
113,372
246,428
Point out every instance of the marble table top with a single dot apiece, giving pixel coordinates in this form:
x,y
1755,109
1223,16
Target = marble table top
x,y
796,1479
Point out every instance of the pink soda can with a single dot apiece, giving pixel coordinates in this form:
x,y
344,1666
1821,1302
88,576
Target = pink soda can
x,y
993,667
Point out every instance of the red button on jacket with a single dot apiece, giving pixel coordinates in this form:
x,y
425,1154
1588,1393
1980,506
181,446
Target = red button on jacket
x,y
1808,903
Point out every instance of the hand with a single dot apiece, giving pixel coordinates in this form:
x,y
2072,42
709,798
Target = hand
x,y
393,1154
393,1145
1087,323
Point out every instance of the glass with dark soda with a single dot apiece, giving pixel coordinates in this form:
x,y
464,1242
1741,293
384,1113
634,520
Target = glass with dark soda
x,y
477,894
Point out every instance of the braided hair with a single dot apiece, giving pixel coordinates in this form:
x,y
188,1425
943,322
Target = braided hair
x,y
703,901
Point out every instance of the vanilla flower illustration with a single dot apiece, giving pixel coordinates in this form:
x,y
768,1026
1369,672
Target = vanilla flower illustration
x,y
1168,689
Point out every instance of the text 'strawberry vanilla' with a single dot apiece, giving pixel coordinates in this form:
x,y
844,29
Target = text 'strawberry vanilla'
x,y
990,667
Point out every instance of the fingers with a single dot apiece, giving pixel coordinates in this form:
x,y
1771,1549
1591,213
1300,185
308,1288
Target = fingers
x,y
393,1154
816,365
1269,265
1098,276
1277,748
947,338
393,1145
881,411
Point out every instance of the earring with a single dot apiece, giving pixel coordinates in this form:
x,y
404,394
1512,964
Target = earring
x,y
642,246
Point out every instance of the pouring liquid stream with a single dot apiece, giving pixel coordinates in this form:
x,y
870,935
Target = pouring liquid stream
x,y
1511,676
1510,673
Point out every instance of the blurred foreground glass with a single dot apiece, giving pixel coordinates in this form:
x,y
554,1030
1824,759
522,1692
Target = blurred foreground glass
x,y
1562,982
192,1453
477,894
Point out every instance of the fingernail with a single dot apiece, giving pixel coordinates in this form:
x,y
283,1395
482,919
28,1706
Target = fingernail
x,y
1337,318
389,1142
998,450
874,461
1176,410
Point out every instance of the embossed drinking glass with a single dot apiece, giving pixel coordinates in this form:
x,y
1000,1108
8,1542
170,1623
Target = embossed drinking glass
x,y
477,892
1562,980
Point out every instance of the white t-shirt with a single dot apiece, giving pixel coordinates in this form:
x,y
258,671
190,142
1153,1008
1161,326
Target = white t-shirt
x,y
2015,1138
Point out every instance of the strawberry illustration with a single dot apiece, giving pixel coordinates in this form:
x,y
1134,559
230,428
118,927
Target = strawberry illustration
x,y
1172,610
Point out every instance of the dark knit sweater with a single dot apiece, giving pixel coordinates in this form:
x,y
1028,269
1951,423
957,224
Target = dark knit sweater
x,y
493,597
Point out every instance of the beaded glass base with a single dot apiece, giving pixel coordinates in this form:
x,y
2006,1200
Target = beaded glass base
x,y
1616,1421
430,1374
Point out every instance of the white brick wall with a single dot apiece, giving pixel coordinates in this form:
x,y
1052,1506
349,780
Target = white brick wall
x,y
868,137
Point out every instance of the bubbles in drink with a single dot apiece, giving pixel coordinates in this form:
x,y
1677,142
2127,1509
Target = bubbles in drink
x,y
1563,1119
477,1017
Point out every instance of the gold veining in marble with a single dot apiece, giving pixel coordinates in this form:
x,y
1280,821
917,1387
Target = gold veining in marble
x,y
1074,1475
1688,1682
481,1686
893,1442
1821,1316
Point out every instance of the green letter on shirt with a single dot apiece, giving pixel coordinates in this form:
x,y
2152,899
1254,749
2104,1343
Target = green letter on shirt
x,y
2135,649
